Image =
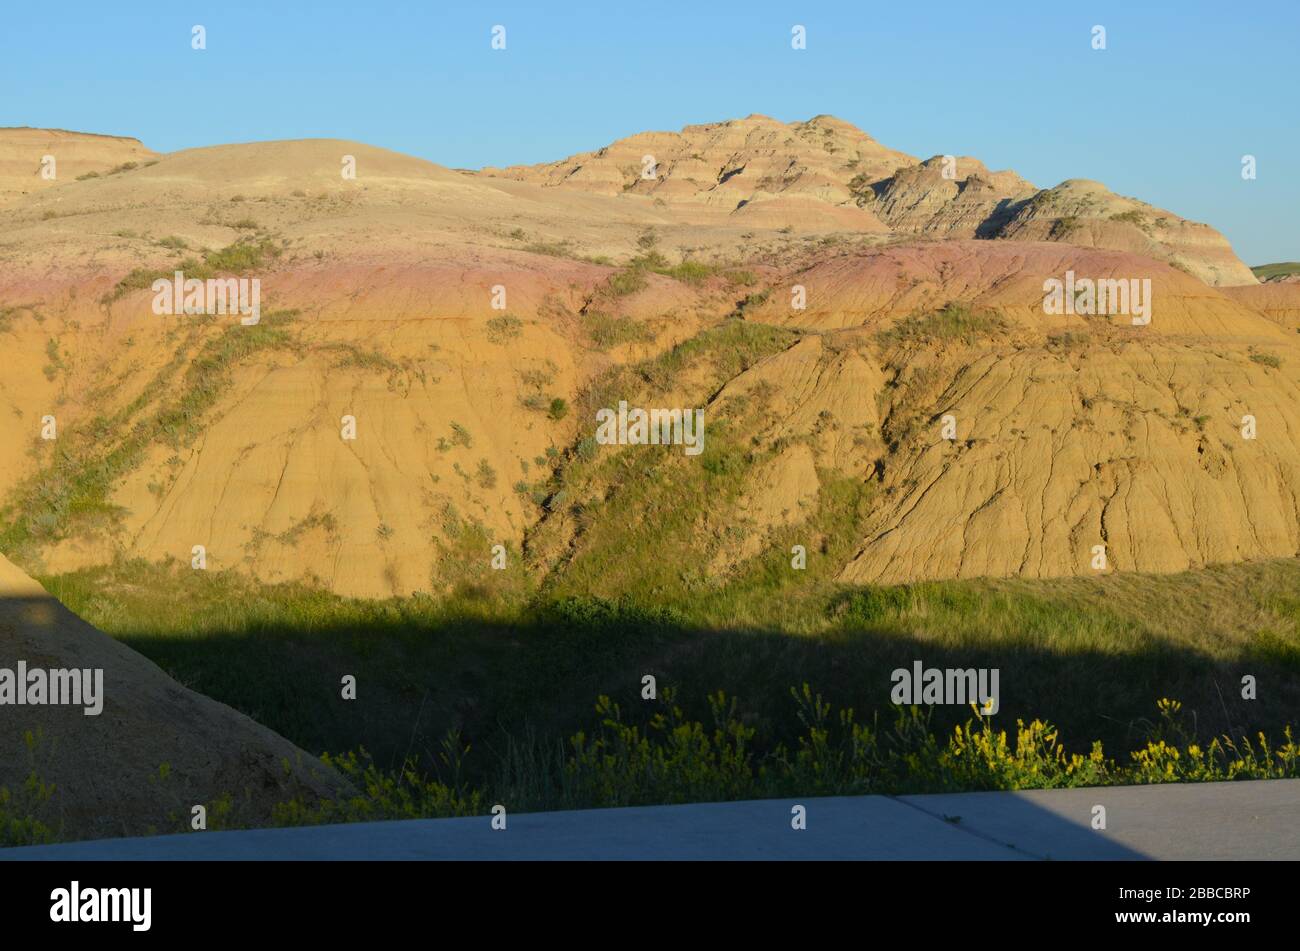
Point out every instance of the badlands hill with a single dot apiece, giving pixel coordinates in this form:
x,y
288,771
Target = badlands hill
x,y
24,153
152,751
761,170
475,424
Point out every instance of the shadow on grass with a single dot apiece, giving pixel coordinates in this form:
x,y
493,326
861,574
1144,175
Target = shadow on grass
x,y
539,674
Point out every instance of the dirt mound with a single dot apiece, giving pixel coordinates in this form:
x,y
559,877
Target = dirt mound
x,y
1278,300
24,155
153,751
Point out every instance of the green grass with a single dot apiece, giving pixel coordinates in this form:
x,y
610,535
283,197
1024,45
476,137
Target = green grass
x,y
632,278
751,301
627,281
1268,272
501,680
955,322
354,357
689,272
27,814
241,257
554,249
606,331
653,752
504,328
1132,217
55,357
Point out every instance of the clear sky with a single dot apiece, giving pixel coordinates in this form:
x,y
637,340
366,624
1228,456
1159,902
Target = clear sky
x,y
1184,89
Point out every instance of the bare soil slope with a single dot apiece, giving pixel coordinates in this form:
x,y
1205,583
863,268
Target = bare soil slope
x,y
156,750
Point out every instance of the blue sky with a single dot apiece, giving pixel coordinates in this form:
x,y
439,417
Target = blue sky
x,y
1165,113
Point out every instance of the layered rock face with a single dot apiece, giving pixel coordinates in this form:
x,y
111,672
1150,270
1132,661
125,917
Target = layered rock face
x,y
1172,443
757,167
459,319
33,160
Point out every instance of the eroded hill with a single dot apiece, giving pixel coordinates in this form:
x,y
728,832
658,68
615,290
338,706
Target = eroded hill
x,y
471,325
823,171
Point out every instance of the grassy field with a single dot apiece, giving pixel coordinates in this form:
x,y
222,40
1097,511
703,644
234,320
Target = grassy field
x,y
493,692
1266,272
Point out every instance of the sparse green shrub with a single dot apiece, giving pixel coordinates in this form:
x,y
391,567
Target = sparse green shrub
x,y
353,356
554,249
503,328
25,812
689,272
952,322
53,354
78,482
627,281
384,795
239,258
751,301
1063,227
460,436
1132,217
606,331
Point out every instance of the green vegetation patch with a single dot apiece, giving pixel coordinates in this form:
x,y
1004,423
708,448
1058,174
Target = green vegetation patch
x,y
1271,272
606,331
73,489
239,258
957,322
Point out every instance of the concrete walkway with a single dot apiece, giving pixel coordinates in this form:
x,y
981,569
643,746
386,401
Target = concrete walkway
x,y
1245,820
